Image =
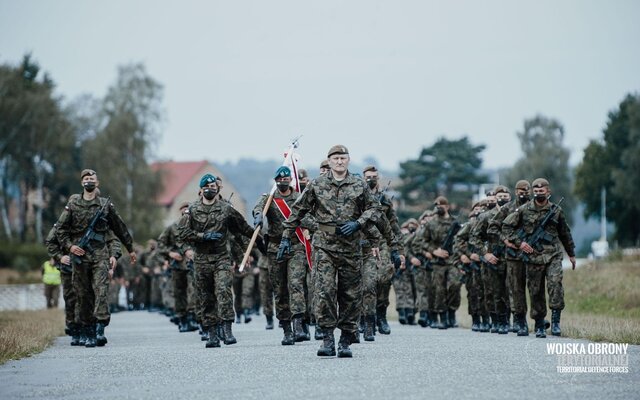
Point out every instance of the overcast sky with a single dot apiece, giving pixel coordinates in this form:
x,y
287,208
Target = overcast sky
x,y
384,78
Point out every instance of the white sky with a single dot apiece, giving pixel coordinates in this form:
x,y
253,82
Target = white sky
x,y
384,78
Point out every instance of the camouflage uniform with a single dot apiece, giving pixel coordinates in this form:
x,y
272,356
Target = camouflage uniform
x,y
68,293
473,277
546,263
91,274
425,290
266,289
404,285
168,241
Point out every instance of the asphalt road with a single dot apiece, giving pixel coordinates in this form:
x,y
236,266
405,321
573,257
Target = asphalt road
x,y
147,358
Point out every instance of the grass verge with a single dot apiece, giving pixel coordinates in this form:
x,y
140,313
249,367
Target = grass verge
x,y
24,333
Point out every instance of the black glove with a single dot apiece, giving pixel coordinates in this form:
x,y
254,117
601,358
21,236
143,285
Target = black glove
x,y
349,228
257,220
395,257
211,236
285,248
261,246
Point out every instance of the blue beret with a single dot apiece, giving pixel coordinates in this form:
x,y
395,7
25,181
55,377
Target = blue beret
x,y
206,179
282,172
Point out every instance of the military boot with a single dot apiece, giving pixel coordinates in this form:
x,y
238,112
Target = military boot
x,y
503,324
361,324
75,335
90,332
423,321
68,329
269,322
328,347
228,333
305,328
475,322
515,327
540,330
485,325
318,335
343,345
452,319
369,328
101,340
354,337
433,320
411,316
220,331
444,323
192,325
494,323
204,333
288,339
213,340
523,329
383,325
247,315
555,323
183,325
238,318
402,316
298,330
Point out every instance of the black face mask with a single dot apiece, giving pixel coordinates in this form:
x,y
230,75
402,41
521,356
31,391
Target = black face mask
x,y
523,198
411,230
502,202
302,186
372,183
89,186
440,211
282,186
491,205
540,198
209,193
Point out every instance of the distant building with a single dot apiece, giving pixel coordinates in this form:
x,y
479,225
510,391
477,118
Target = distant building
x,y
181,181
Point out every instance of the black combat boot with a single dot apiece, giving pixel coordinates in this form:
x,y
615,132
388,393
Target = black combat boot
x,y
402,316
269,322
343,345
354,337
204,333
523,328
515,327
238,318
452,319
369,328
247,315
475,322
328,347
503,324
228,333
220,331
444,323
305,328
555,323
411,316
101,340
361,324
433,320
68,329
423,321
494,323
288,339
485,326
298,330
317,334
90,332
213,340
383,325
183,325
75,334
540,330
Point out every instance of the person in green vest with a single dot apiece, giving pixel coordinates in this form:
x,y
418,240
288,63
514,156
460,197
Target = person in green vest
x,y
51,279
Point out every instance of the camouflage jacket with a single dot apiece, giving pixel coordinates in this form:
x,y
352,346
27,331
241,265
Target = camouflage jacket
x,y
332,203
75,220
169,241
218,217
526,218
461,244
434,235
479,239
495,225
275,219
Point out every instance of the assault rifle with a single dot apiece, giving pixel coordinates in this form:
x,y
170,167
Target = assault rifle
x,y
448,241
90,234
539,234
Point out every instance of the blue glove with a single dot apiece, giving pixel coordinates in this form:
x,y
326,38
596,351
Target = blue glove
x,y
211,236
395,257
257,220
349,228
285,248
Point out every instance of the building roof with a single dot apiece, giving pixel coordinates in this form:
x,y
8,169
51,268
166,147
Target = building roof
x,y
176,175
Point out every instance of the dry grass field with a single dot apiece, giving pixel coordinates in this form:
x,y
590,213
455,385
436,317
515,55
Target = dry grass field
x,y
23,333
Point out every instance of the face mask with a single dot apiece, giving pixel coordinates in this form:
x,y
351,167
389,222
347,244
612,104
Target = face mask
x,y
523,198
540,197
491,205
372,183
209,193
302,186
412,229
440,211
502,202
89,186
282,186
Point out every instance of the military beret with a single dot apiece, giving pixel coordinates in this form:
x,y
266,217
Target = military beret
x,y
87,172
337,149
282,172
441,201
324,164
522,184
500,189
183,205
427,213
370,168
476,204
302,173
206,179
411,221
482,203
540,182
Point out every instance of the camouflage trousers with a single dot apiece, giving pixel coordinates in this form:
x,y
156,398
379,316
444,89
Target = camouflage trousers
x,y
446,280
242,292
383,279
498,279
425,291
404,288
338,290
182,282
517,279
369,282
266,292
155,297
213,287
475,293
166,289
536,275
91,284
487,286
69,296
310,293
289,280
